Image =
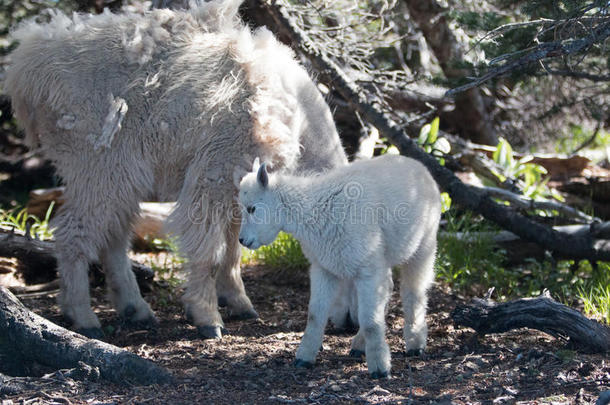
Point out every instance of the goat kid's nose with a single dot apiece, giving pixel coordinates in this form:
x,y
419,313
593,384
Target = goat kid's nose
x,y
241,240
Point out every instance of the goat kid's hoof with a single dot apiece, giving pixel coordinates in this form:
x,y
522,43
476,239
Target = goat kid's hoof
x,y
357,354
380,374
242,316
415,352
210,332
222,302
91,333
298,363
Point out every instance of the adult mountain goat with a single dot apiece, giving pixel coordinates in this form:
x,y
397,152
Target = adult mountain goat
x,y
162,105
354,224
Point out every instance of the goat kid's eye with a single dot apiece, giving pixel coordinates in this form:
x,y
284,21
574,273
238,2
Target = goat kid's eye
x,y
250,209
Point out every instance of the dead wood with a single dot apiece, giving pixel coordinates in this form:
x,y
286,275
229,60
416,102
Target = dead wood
x,y
148,226
30,337
541,313
37,260
576,247
18,290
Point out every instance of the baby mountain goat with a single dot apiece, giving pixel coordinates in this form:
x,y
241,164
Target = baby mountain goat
x,y
167,106
354,223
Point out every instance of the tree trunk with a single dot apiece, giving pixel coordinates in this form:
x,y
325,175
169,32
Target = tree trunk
x,y
30,337
470,114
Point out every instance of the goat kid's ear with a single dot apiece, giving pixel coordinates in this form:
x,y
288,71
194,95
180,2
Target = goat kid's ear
x,y
256,164
263,176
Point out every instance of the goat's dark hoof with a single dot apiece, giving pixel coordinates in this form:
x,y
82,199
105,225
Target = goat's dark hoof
x,y
150,323
210,332
222,302
91,333
350,325
357,354
298,363
379,374
128,312
415,352
127,320
242,316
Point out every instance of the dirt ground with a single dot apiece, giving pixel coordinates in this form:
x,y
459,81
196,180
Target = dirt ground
x,y
252,364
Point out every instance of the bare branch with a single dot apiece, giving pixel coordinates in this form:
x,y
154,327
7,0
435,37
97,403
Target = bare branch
x,y
542,51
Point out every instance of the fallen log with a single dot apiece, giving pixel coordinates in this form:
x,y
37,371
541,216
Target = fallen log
x,y
36,257
30,337
540,313
148,225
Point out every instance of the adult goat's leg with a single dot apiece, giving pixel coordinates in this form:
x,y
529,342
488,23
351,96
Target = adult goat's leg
x,y
122,285
229,284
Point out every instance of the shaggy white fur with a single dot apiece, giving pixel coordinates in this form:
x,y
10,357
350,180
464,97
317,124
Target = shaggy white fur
x,y
164,105
354,224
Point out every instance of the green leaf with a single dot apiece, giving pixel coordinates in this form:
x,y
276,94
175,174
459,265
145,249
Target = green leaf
x,y
433,131
442,145
392,150
503,155
445,202
423,134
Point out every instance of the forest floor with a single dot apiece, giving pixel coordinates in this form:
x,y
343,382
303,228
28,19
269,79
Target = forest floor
x,y
253,362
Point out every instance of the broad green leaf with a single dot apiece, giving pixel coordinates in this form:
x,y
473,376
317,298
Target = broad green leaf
x,y
445,202
423,134
442,145
433,131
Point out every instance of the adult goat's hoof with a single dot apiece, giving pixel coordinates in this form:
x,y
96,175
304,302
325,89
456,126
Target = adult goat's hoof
x,y
298,363
379,374
210,332
150,323
415,352
242,316
91,333
222,302
355,353
127,320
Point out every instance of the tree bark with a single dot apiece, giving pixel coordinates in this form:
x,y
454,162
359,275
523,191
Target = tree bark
x,y
32,338
541,313
576,247
470,115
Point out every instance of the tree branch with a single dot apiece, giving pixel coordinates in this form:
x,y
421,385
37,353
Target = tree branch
x,y
542,51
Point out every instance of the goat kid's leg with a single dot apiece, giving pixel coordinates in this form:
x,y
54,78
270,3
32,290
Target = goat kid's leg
x,y
323,289
229,284
344,311
122,285
358,347
417,276
373,295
